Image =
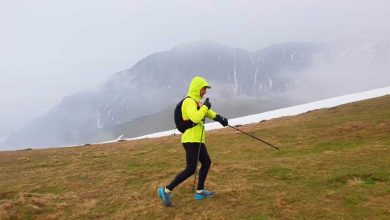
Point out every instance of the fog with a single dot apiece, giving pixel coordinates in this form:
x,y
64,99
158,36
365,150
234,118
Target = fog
x,y
51,49
355,69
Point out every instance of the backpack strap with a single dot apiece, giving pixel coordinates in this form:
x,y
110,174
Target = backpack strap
x,y
197,106
181,124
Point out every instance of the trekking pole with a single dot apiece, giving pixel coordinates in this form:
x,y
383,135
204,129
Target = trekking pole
x,y
253,137
200,145
197,159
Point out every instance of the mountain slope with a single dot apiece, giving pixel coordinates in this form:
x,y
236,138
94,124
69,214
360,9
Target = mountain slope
x,y
160,80
334,164
276,76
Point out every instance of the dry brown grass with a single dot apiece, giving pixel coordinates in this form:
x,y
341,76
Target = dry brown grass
x,y
333,164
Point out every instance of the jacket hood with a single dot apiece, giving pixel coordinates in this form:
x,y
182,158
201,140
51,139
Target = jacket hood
x,y
197,83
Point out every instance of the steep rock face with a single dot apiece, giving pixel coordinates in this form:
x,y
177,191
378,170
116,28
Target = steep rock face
x,y
161,79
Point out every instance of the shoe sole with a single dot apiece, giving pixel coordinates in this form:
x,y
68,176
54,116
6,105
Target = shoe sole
x,y
200,197
159,193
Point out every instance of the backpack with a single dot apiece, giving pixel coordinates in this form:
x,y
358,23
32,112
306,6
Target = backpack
x,y
182,125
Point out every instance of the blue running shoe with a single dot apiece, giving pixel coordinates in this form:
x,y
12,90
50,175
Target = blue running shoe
x,y
204,194
165,197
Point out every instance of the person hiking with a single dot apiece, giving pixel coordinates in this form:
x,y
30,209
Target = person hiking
x,y
193,140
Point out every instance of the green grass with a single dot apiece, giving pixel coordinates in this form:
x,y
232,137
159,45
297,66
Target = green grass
x,y
333,164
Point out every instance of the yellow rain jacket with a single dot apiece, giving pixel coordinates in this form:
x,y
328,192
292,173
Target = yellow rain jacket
x,y
189,111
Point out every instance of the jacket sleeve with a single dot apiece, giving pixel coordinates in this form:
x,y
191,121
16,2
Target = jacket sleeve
x,y
190,111
211,114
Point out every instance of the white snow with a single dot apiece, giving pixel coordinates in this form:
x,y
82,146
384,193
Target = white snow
x,y
254,82
270,82
294,110
235,74
120,137
98,122
260,89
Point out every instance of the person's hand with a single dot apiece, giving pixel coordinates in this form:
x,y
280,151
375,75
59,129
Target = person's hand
x,y
207,103
224,122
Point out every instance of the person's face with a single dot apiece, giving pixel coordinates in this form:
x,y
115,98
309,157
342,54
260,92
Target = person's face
x,y
203,91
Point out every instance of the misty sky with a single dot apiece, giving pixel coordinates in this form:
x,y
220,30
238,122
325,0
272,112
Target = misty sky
x,y
50,49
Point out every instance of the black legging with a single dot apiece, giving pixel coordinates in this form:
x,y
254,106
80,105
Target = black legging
x,y
191,156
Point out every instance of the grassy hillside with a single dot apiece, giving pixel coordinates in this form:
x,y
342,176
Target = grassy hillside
x,y
163,120
333,164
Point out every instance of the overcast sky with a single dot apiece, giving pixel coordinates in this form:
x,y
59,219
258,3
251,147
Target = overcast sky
x,y
50,49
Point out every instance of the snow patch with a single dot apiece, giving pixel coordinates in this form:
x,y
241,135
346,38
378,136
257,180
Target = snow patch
x,y
98,120
255,81
289,111
270,82
119,138
235,74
